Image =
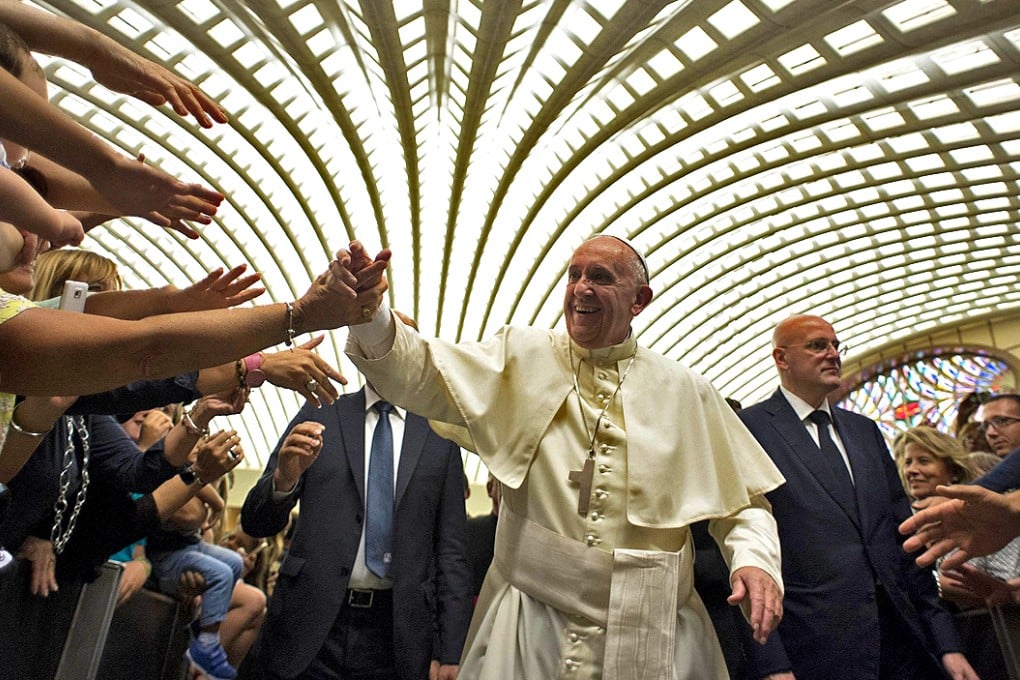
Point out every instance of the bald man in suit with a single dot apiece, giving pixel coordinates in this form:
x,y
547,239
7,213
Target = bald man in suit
x,y
856,606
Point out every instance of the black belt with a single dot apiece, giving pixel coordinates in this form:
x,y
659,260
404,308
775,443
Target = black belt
x,y
358,598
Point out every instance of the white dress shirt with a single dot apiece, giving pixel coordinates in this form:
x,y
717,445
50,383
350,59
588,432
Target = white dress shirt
x,y
804,410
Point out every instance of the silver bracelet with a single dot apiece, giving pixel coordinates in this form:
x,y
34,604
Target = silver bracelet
x,y
289,340
20,430
191,427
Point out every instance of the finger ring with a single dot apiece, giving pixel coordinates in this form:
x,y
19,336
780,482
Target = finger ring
x,y
366,312
312,385
231,454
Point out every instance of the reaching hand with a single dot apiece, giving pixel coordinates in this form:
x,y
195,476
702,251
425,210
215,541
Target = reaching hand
x,y
39,552
957,667
132,578
136,188
332,302
218,290
154,427
976,522
121,70
217,455
299,450
973,582
764,597
190,585
297,371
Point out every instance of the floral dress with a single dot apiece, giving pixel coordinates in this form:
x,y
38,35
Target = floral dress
x,y
10,307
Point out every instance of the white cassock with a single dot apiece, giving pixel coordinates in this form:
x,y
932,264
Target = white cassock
x,y
592,596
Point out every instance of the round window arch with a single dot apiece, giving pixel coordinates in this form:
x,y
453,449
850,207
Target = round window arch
x,y
924,387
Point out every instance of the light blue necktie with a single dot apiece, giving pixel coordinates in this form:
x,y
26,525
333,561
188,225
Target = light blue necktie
x,y
379,513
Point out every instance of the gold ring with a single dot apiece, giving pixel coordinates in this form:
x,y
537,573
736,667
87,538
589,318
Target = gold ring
x,y
366,312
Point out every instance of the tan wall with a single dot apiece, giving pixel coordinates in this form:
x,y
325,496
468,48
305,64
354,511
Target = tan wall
x,y
998,334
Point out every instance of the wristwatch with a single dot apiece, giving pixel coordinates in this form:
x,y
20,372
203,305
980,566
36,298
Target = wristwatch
x,y
188,475
253,376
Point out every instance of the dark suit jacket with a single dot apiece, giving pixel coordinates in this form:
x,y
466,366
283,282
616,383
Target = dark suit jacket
x,y
428,528
1004,476
834,556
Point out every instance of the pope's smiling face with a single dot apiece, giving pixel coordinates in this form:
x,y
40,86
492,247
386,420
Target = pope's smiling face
x,y
604,292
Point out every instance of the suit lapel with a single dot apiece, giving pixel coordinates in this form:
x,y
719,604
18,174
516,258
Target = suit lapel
x,y
794,432
351,414
416,430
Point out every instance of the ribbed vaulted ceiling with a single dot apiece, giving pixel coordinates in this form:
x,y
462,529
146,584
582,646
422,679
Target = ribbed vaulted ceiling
x,y
854,159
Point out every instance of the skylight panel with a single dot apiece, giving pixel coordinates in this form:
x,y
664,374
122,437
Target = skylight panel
x,y
725,93
882,119
964,57
1004,123
840,131
307,19
695,106
925,163
412,32
854,38
131,23
579,23
321,43
953,134
226,33
913,14
199,11
665,64
902,75
990,94
972,154
907,143
775,122
733,19
809,109
981,174
801,60
164,46
640,81
936,180
776,5
805,142
760,77
934,107
249,54
696,43
851,93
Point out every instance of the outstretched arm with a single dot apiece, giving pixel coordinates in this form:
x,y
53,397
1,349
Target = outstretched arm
x,y
974,522
112,65
53,352
130,187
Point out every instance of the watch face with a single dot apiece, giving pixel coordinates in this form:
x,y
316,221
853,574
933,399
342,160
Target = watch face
x,y
254,377
187,475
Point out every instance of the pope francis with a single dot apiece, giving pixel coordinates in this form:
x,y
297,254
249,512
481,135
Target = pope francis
x,y
606,452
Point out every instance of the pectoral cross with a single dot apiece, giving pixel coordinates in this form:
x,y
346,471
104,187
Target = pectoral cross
x,y
584,477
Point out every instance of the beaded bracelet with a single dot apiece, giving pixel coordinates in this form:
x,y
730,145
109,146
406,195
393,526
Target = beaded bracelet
x,y
20,430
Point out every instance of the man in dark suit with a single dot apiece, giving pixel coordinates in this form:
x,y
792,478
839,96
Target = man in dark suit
x,y
339,610
855,605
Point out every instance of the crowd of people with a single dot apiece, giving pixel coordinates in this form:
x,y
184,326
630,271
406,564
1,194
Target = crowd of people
x,y
602,456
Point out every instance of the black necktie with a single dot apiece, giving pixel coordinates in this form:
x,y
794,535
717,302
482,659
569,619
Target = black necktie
x,y
833,460
379,511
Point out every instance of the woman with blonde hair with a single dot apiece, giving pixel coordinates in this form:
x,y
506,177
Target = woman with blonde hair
x,y
56,266
926,458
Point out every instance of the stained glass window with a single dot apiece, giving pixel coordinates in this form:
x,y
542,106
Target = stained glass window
x,y
924,389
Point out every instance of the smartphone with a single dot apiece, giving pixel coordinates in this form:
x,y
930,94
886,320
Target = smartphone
x,y
73,297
